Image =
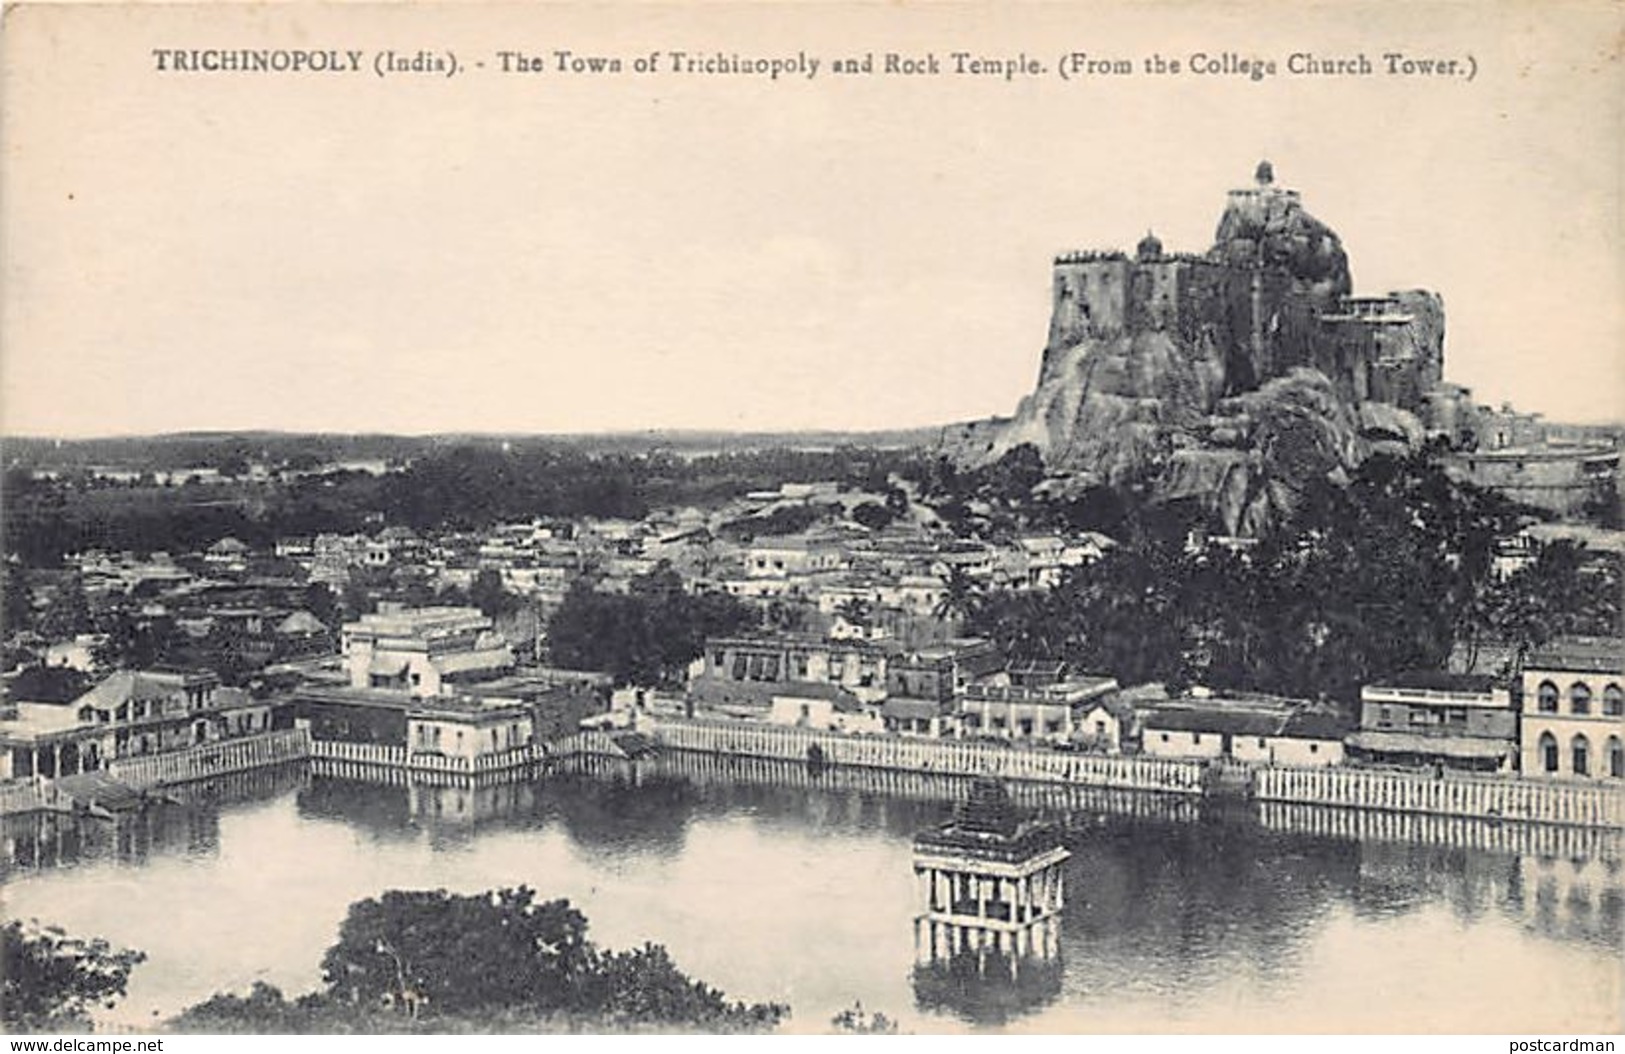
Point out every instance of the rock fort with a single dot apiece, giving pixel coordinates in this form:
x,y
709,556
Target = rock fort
x,y
1232,376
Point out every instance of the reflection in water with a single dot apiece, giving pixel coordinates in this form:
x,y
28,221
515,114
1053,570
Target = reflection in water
x,y
774,882
991,892
987,987
646,812
1577,899
182,820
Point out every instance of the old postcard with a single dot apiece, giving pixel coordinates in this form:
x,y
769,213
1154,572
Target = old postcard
x,y
813,517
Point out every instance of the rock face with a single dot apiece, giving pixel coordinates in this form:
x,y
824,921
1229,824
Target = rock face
x,y
1230,377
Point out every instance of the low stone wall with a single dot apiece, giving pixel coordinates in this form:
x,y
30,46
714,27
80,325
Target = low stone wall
x,y
1049,801
1599,805
952,757
1556,841
589,743
212,759
367,760
18,797
1485,797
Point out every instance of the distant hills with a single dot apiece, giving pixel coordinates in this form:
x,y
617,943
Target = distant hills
x,y
180,450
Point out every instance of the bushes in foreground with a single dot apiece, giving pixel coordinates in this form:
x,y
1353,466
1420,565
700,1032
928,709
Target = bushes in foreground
x,y
491,962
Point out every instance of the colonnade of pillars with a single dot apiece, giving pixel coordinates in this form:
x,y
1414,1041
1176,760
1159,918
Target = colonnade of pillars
x,y
959,889
969,910
54,760
936,939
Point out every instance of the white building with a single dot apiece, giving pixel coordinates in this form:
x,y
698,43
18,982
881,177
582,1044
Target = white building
x,y
423,651
1573,722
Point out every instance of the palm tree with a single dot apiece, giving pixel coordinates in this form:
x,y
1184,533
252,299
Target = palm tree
x,y
961,596
856,610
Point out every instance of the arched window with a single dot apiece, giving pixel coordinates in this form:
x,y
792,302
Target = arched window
x,y
1548,752
1616,758
1580,747
1580,698
1548,697
1613,701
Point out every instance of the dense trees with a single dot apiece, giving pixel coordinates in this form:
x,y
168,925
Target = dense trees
x,y
645,637
17,596
470,962
137,641
644,986
1383,575
1562,592
49,982
434,954
48,684
458,953
488,594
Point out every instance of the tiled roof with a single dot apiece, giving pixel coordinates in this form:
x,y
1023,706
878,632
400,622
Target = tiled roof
x,y
1440,681
1313,724
913,709
1214,719
1430,746
1581,655
833,693
127,685
499,658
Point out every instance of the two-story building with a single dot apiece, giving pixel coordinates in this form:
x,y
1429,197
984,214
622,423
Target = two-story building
x,y
791,557
941,671
132,713
748,670
1428,718
423,651
1049,711
1573,721
455,726
467,727
152,711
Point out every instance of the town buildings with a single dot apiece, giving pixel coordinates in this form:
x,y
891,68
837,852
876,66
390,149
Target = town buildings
x,y
1053,712
130,714
1258,730
1429,718
423,651
1574,711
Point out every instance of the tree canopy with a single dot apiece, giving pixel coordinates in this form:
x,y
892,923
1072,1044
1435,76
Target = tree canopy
x,y
475,958
460,952
1383,575
646,636
50,982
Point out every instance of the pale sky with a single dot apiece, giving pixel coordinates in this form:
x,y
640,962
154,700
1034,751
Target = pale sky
x,y
558,253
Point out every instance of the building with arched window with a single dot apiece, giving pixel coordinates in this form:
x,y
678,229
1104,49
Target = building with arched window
x,y
1573,720
1551,761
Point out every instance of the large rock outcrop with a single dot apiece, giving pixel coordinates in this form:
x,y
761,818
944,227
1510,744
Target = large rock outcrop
x,y
1232,377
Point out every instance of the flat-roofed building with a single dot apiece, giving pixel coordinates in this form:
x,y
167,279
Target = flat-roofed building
x,y
745,670
1048,711
467,728
940,671
1431,718
423,651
